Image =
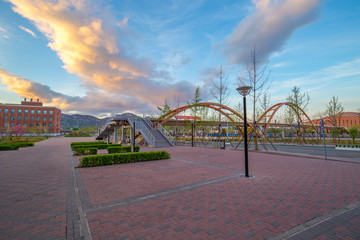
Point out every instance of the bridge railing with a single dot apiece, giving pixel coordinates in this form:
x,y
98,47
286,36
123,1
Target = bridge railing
x,y
144,129
165,133
104,127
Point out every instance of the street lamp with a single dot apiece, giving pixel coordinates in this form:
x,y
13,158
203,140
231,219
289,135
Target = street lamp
x,y
245,90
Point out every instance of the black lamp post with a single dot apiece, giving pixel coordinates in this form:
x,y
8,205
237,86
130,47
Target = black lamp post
x,y
245,90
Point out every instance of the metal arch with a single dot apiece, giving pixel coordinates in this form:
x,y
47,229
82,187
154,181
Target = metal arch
x,y
276,107
164,118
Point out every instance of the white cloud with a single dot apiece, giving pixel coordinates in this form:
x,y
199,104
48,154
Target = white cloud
x,y
28,31
268,28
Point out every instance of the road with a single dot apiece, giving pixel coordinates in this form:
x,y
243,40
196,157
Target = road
x,y
293,149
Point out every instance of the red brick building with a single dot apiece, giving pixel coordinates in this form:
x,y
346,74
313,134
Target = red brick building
x,y
347,120
32,115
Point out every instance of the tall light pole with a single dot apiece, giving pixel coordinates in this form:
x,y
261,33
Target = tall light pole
x,y
245,90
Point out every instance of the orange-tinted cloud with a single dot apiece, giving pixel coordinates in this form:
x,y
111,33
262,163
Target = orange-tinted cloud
x,y
89,45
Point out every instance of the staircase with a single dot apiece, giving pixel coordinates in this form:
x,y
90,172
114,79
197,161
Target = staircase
x,y
154,133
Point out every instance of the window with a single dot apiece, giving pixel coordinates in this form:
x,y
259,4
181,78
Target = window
x,y
45,112
12,124
25,118
26,111
44,119
12,118
350,122
6,110
12,110
51,112
19,118
44,125
0,110
31,118
37,124
31,124
38,118
39,111
32,111
50,124
5,117
5,124
25,124
50,118
19,110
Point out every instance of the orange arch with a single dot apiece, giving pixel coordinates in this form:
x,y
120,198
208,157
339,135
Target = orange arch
x,y
166,117
277,106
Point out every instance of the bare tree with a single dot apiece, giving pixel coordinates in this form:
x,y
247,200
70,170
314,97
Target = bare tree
x,y
300,100
258,77
335,110
220,90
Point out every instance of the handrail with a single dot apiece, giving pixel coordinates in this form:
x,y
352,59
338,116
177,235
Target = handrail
x,y
141,127
167,135
104,127
149,122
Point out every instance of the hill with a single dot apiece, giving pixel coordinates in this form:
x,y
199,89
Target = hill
x,y
78,121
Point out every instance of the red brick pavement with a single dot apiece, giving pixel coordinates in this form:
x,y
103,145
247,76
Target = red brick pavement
x,y
284,192
34,191
197,194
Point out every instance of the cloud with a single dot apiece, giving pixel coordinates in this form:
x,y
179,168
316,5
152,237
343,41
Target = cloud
x,y
28,31
4,32
87,39
123,23
268,28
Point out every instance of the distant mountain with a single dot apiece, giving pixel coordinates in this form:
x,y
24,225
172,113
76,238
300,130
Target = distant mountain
x,y
78,121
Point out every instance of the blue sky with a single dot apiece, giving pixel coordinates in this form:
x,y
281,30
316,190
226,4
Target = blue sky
x,y
100,57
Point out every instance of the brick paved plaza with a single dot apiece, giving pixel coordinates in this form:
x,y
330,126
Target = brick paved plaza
x,y
199,193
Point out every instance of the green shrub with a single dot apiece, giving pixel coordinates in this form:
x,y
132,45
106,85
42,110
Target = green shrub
x,y
15,146
98,146
85,143
121,149
118,158
24,144
98,160
8,146
114,145
85,151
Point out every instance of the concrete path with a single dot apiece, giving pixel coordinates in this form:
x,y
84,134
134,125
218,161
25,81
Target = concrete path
x,y
199,193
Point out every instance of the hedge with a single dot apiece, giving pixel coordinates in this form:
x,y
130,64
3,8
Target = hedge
x,y
85,143
8,146
118,158
98,146
15,146
85,151
124,149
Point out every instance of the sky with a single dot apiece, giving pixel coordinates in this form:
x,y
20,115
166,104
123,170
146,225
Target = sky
x,y
104,57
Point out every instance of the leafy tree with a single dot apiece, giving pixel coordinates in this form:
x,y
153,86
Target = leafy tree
x,y
335,110
265,103
354,133
165,109
258,77
196,109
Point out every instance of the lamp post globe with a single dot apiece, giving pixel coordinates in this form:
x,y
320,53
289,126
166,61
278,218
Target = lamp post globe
x,y
244,91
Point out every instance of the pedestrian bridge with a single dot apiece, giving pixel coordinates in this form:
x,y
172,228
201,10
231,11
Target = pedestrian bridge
x,y
132,126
